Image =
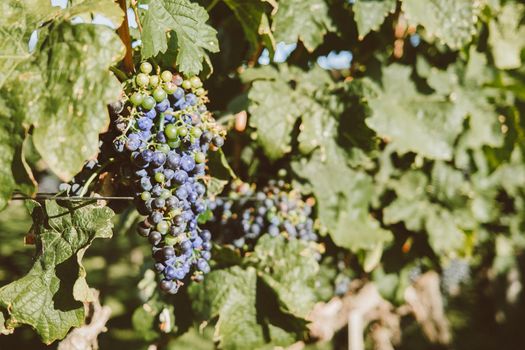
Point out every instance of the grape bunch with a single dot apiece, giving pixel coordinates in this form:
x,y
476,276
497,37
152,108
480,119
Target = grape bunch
x,y
455,272
246,214
162,135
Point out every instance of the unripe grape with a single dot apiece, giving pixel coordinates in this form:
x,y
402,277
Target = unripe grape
x,y
166,76
148,103
186,84
154,80
182,131
159,94
159,177
200,157
195,82
171,131
142,79
137,98
170,87
146,67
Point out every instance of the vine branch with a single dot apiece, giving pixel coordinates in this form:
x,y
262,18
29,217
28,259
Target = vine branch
x,y
123,32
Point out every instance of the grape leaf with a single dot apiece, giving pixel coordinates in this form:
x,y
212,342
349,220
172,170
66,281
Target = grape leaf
x,y
187,22
410,121
78,88
343,204
451,21
370,14
252,16
305,20
416,208
14,173
7,154
290,269
273,114
43,298
507,36
230,295
278,97
470,98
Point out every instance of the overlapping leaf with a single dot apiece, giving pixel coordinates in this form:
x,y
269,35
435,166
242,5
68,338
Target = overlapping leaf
x,y
46,297
343,204
230,295
410,121
369,15
507,36
277,99
450,21
255,23
304,20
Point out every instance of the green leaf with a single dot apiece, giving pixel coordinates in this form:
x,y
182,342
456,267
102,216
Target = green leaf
x,y
85,9
444,234
215,186
42,298
7,154
415,207
278,97
370,14
343,204
230,295
14,172
274,114
290,269
305,20
464,87
252,16
186,21
78,87
507,36
410,121
450,21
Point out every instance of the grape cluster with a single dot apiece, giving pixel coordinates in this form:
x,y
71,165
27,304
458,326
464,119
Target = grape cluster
x,y
162,134
247,213
455,272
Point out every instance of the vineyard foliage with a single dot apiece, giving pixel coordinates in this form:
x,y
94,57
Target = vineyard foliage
x,y
402,123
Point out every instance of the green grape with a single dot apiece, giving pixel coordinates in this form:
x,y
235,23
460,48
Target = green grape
x,y
164,148
200,157
162,227
182,131
186,84
146,67
171,131
174,144
166,76
145,195
196,132
142,79
170,87
159,94
159,177
195,82
137,98
200,91
154,80
148,103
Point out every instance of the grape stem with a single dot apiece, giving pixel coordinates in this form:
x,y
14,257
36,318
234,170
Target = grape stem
x,y
212,5
119,73
133,5
93,176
